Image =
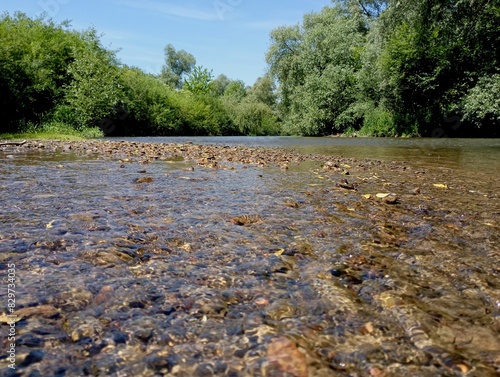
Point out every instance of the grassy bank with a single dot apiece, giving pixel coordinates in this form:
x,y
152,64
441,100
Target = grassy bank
x,y
54,131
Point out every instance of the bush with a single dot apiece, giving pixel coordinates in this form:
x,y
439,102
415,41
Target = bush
x,y
378,122
253,118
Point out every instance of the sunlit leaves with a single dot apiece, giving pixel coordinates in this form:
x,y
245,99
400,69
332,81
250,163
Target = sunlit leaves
x,y
199,81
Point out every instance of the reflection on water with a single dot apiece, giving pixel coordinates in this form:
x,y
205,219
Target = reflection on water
x,y
466,154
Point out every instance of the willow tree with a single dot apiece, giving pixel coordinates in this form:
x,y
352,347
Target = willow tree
x,y
316,66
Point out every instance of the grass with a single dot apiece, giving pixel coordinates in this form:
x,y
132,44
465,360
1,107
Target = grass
x,y
54,131
41,136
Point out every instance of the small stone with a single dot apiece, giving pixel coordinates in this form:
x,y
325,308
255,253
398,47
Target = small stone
x,y
346,185
158,363
143,334
120,337
32,358
284,355
391,199
204,370
144,180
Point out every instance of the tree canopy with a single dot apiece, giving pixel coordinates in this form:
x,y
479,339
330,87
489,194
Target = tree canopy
x,y
390,68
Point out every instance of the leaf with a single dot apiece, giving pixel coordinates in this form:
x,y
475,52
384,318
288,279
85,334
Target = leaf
x,y
367,196
440,185
382,195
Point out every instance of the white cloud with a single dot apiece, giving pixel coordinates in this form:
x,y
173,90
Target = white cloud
x,y
266,25
172,9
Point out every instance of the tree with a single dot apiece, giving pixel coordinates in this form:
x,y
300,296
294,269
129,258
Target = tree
x,y
235,91
220,84
264,90
284,59
199,81
34,56
177,65
482,103
95,91
434,52
316,67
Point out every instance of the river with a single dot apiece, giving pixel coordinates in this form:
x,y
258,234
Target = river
x,y
204,258
464,154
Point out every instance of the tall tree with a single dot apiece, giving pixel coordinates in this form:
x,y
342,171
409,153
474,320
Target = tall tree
x,y
264,90
434,53
220,84
177,65
34,56
316,65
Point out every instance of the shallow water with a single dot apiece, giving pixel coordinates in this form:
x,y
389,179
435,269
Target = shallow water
x,y
464,154
251,271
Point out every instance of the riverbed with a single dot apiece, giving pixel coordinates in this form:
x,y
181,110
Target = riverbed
x,y
202,257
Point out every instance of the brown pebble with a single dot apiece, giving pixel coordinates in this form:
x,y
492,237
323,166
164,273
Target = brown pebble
x,y
144,180
45,311
284,355
391,199
261,301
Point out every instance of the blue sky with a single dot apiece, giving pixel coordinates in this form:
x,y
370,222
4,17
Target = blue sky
x,y
227,36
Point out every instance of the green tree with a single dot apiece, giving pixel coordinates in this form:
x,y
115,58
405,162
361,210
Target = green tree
x,y
434,52
149,106
94,92
199,81
316,67
285,61
177,65
34,56
264,90
220,84
482,103
235,91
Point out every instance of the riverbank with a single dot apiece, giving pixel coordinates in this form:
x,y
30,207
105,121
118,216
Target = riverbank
x,y
193,260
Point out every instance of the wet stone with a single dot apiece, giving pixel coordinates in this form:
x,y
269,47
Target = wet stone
x,y
159,363
32,357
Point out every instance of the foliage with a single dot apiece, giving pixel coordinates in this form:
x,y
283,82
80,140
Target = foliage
x,y
251,117
483,101
199,81
316,67
400,67
235,91
434,54
202,114
264,90
149,107
177,65
34,55
367,67
94,92
54,130
220,84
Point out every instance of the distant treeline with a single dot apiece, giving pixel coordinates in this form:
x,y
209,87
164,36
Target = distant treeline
x,y
367,67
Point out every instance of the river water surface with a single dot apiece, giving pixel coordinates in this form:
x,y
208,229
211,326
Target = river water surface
x,y
132,260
